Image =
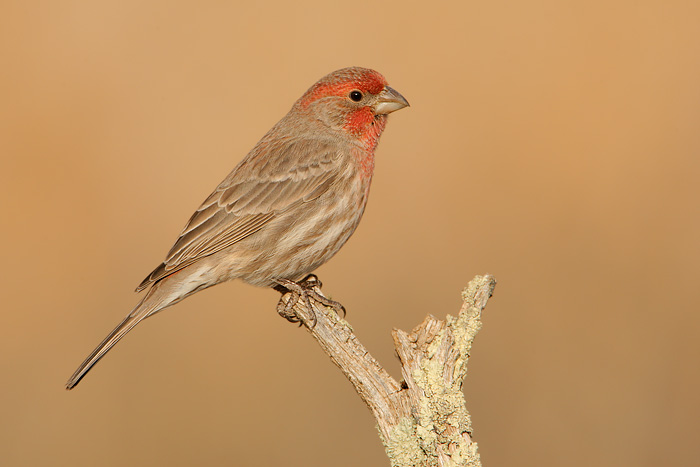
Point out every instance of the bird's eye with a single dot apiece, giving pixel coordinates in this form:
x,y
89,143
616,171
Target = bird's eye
x,y
356,96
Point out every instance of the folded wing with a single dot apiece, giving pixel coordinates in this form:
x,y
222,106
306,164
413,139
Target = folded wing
x,y
254,193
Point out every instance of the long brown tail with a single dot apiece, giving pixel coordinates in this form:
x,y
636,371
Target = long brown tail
x,y
150,304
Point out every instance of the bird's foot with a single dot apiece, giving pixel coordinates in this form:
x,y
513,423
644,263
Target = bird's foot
x,y
313,282
305,290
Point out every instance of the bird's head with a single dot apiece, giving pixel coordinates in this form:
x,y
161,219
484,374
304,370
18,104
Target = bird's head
x,y
353,101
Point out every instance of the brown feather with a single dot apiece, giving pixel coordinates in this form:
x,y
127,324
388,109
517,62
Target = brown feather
x,y
250,197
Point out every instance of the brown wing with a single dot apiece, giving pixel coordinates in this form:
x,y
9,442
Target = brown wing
x,y
256,191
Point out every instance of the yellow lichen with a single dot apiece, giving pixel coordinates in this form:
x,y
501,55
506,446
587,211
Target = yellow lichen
x,y
402,446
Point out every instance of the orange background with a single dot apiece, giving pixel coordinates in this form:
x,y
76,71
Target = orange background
x,y
553,144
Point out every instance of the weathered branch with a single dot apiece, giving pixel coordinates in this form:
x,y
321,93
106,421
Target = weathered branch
x,y
424,420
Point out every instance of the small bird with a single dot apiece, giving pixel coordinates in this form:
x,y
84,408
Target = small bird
x,y
286,208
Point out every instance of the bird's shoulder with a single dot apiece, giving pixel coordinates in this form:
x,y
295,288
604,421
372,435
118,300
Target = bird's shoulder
x,y
276,175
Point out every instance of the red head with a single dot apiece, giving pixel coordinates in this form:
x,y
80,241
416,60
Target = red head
x,y
354,101
341,82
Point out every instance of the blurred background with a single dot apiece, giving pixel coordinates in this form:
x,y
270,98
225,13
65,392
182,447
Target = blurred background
x,y
552,144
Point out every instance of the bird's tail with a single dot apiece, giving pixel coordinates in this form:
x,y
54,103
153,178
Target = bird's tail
x,y
150,304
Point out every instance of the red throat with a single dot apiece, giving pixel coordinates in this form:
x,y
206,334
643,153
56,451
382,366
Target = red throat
x,y
367,128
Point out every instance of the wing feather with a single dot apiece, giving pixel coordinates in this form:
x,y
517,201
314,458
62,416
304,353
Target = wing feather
x,y
254,193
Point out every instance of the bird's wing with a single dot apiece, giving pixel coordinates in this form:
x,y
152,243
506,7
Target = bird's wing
x,y
256,191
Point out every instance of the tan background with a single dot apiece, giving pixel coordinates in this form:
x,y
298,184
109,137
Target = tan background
x,y
553,144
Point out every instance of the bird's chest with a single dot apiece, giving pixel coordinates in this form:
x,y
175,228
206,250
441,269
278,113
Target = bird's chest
x,y
362,175
358,186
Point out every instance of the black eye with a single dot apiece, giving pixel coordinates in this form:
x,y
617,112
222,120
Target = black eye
x,y
356,96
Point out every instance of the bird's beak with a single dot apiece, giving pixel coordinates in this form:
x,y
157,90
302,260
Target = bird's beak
x,y
389,100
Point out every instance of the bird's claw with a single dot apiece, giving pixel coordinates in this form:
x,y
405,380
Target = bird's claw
x,y
304,290
312,281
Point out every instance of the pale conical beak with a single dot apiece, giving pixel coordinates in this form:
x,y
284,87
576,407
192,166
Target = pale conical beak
x,y
389,100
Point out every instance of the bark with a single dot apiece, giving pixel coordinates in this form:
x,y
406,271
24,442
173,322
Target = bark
x,y
422,421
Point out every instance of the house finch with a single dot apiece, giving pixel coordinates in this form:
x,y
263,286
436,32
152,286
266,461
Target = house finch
x,y
287,207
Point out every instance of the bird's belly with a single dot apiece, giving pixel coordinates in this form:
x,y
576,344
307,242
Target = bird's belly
x,y
302,239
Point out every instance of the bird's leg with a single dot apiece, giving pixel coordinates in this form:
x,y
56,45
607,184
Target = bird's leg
x,y
312,281
286,310
296,291
305,290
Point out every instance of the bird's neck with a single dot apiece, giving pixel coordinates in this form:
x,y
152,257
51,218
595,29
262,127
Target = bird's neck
x,y
365,161
366,132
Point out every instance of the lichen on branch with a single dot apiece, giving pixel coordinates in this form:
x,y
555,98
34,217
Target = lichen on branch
x,y
423,420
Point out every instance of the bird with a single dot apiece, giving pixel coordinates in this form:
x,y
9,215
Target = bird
x,y
289,205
